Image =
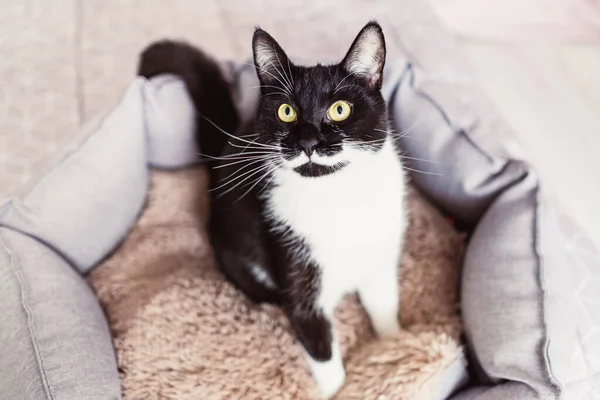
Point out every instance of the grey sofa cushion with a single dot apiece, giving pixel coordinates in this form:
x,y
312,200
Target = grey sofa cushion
x,y
54,339
529,319
85,203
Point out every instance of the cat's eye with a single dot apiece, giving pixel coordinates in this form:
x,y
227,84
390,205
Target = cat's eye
x,y
286,113
339,111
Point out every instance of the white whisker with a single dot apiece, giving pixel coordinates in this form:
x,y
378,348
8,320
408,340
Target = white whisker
x,y
420,159
274,93
290,71
234,156
340,88
245,160
241,182
254,147
240,169
282,70
288,85
265,70
235,178
401,134
342,81
285,87
239,138
380,140
286,90
279,90
269,181
422,172
251,142
258,181
258,152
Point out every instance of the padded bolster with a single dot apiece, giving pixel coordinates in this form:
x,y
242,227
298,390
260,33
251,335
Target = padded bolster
x,y
506,391
529,307
170,123
456,173
54,340
85,204
502,298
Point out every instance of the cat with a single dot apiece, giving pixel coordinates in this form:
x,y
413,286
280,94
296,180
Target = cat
x,y
308,197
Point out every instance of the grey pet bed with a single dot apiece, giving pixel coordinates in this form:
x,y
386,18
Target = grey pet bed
x,y
531,280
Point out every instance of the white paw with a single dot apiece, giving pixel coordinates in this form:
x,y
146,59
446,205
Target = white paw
x,y
329,375
387,327
330,379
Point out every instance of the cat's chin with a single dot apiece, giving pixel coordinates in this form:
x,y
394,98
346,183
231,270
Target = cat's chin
x,y
314,170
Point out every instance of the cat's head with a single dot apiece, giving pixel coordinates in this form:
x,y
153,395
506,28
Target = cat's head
x,y
324,117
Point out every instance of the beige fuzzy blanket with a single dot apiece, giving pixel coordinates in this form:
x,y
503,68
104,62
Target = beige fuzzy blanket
x,y
182,332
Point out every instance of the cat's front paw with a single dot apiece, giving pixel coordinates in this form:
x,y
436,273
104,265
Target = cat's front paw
x,y
330,377
387,327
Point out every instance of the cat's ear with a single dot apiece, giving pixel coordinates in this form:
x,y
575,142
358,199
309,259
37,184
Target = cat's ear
x,y
272,64
366,56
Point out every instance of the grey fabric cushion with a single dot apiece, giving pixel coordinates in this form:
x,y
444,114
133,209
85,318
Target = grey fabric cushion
x,y
529,319
54,340
170,123
84,204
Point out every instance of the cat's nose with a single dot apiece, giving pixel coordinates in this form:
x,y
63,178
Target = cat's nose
x,y
308,145
309,138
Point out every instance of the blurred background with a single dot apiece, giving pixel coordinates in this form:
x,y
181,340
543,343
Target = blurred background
x,y
64,61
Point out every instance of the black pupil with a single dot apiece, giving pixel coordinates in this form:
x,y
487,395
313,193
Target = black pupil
x,y
339,109
287,111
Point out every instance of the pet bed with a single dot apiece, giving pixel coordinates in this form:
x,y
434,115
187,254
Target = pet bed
x,y
528,287
183,332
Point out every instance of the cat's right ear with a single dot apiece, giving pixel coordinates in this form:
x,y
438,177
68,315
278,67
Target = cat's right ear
x,y
271,62
366,56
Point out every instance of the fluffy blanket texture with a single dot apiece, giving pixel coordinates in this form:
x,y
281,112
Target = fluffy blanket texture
x,y
181,331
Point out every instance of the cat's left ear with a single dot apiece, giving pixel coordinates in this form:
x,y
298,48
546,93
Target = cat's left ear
x,y
366,56
272,64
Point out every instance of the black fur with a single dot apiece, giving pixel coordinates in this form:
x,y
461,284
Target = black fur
x,y
241,233
313,90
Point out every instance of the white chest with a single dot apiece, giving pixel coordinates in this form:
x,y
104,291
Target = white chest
x,y
352,220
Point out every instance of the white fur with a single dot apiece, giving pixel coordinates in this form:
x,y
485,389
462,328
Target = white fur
x,y
262,276
329,375
265,54
366,54
353,221
337,158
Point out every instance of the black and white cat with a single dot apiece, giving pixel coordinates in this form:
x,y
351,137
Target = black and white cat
x,y
308,199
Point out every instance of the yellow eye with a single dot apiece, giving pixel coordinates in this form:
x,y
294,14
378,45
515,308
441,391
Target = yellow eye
x,y
286,113
339,111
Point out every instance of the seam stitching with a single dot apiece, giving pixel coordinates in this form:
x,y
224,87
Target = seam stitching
x,y
30,323
554,383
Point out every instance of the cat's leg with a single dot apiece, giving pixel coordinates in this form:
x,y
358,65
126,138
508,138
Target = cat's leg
x,y
311,316
314,328
241,244
309,307
380,296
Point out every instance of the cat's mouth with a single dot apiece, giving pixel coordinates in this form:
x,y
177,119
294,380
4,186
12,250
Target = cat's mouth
x,y
316,165
314,170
